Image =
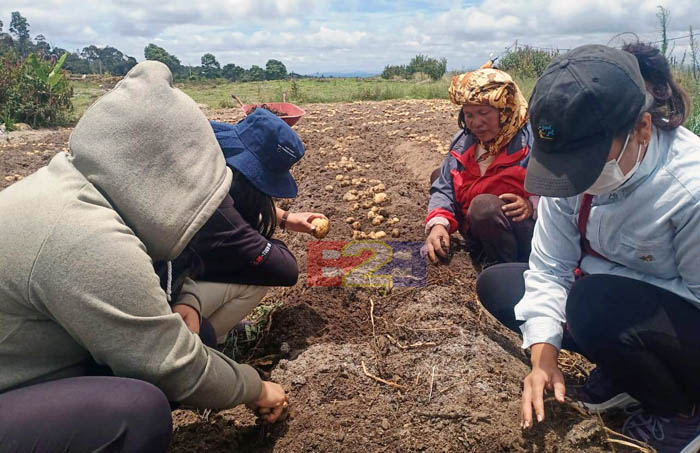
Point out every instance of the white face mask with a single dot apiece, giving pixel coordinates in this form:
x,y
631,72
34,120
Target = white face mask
x,y
612,177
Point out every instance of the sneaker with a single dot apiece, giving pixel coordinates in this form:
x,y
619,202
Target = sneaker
x,y
673,434
600,393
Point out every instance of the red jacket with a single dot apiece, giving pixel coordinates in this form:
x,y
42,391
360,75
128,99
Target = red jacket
x,y
460,178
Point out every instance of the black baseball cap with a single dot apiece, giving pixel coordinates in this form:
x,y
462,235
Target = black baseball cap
x,y
582,100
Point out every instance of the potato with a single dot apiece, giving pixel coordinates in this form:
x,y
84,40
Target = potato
x,y
377,220
366,204
378,188
350,196
375,209
371,214
338,177
395,233
354,207
380,198
323,226
357,226
329,188
374,182
357,235
350,220
379,235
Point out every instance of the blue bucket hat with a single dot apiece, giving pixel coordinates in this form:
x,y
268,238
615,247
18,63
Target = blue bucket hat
x,y
263,148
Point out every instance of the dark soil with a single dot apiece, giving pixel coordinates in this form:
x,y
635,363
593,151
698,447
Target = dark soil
x,y
457,374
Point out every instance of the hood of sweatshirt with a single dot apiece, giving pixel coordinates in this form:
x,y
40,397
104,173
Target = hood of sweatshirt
x,y
151,152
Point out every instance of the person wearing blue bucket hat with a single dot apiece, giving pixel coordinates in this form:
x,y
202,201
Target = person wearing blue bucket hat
x,y
613,272
234,257
263,148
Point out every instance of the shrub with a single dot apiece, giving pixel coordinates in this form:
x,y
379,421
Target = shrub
x,y
34,91
526,61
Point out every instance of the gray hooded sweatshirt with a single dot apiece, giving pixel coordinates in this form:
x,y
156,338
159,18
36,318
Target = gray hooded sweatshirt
x,y
79,236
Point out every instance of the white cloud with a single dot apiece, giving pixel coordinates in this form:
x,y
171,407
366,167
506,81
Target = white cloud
x,y
343,35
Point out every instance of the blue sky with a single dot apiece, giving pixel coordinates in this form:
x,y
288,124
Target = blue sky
x,y
343,36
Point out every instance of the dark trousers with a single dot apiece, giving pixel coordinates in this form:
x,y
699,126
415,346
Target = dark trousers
x,y
646,338
89,413
497,236
491,236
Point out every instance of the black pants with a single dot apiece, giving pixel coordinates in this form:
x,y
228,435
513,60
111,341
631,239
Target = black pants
x,y
492,236
98,412
646,338
497,236
82,414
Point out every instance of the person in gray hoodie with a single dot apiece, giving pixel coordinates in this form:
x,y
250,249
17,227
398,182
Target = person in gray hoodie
x,y
77,285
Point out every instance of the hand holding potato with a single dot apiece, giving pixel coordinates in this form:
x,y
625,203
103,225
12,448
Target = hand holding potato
x,y
301,221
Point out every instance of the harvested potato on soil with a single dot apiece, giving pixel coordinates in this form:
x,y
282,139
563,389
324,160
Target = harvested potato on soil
x,y
395,233
371,214
380,198
350,195
350,220
374,182
377,235
366,204
338,177
329,188
323,226
378,188
357,226
377,220
355,207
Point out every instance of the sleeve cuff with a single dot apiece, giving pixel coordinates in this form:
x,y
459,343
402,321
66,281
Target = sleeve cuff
x,y
191,301
252,382
535,200
436,221
542,330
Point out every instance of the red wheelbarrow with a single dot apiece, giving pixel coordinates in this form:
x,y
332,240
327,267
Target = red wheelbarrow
x,y
290,113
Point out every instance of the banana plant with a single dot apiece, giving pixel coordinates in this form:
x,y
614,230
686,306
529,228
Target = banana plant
x,y
51,78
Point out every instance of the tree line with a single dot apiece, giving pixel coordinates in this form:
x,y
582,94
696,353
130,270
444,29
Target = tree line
x,y
17,44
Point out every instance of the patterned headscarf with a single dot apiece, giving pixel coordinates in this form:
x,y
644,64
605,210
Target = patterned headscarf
x,y
497,89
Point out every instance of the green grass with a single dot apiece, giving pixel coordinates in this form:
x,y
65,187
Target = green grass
x,y
309,91
84,94
217,93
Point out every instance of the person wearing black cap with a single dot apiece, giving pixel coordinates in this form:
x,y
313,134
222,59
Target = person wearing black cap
x,y
613,272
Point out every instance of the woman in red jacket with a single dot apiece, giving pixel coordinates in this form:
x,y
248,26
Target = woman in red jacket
x,y
479,189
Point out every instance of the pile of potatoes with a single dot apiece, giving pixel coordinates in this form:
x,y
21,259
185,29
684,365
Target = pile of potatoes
x,y
363,194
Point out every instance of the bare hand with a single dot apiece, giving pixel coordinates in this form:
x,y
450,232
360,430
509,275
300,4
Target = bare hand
x,y
189,315
545,374
438,244
271,403
301,221
516,207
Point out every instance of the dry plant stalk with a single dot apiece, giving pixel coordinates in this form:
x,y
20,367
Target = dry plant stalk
x,y
418,344
378,379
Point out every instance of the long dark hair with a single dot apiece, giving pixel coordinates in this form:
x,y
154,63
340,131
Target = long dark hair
x,y
256,207
671,103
